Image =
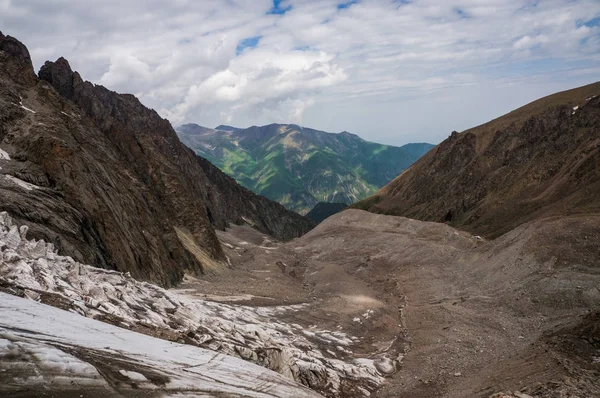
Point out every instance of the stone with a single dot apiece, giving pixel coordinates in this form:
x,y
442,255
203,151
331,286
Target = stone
x,y
12,238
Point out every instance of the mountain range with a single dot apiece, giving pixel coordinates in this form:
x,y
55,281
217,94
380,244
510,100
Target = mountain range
x,y
298,166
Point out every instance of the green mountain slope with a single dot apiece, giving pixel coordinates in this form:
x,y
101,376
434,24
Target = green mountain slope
x,y
299,167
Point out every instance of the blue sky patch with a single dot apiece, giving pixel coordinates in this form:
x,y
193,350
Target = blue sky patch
x,y
249,42
346,4
592,22
277,9
461,13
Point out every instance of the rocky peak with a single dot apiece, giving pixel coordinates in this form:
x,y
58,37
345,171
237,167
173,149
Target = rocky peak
x,y
60,75
107,180
15,60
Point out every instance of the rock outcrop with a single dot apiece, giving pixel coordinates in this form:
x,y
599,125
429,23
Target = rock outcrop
x,y
108,182
540,160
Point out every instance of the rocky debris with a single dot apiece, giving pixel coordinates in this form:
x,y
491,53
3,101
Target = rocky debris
x,y
33,269
466,302
538,161
45,351
107,181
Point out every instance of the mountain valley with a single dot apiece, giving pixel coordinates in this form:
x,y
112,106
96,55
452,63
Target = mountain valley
x,y
131,266
298,166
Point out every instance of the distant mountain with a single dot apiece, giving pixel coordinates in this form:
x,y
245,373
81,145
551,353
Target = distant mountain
x,y
298,166
324,210
540,160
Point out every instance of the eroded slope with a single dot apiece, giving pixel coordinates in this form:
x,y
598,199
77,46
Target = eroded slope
x,y
460,315
540,160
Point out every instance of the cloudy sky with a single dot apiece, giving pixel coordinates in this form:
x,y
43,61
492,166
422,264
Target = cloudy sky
x,y
391,71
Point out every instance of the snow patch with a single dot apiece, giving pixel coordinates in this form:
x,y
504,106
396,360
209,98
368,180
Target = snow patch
x,y
135,376
23,184
24,107
4,155
27,109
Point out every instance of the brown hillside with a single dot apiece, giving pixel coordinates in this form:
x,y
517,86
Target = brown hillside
x,y
540,160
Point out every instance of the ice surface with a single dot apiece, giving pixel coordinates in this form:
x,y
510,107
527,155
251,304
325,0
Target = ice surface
x,y
55,338
251,333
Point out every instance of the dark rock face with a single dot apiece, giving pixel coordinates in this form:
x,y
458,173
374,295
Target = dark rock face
x,y
113,186
540,160
16,60
324,210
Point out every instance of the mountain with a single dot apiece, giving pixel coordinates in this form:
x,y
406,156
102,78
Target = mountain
x,y
298,166
323,210
540,160
107,181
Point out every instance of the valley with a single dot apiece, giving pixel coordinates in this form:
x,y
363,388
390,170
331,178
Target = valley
x,y
298,166
413,309
132,267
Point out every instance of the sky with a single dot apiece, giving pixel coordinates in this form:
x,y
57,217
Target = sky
x,y
391,71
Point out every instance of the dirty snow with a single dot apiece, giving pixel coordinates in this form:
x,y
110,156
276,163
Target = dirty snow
x,y
252,333
24,107
40,347
23,184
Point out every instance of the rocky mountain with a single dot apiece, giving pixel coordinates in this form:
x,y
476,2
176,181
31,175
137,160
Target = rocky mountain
x,y
540,160
298,166
107,181
323,210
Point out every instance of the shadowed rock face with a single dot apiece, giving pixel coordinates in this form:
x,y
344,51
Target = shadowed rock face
x,y
112,184
323,210
540,160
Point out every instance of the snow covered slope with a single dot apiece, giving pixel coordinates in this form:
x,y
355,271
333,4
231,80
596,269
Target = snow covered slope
x,y
49,350
32,269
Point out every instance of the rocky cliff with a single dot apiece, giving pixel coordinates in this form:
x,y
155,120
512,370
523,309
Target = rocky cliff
x,y
540,160
108,182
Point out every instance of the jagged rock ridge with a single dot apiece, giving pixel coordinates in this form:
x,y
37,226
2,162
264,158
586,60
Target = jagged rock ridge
x,y
107,180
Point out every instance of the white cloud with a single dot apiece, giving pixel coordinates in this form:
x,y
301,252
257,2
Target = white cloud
x,y
375,67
